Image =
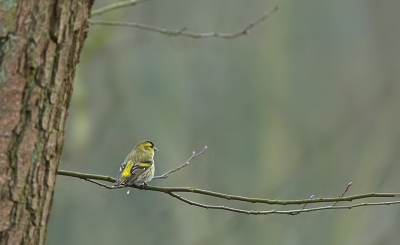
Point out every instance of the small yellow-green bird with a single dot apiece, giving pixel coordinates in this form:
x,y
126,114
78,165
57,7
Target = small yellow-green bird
x,y
138,167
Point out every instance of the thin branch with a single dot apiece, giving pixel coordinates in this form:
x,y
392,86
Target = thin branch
x,y
86,176
287,212
304,206
231,197
164,176
182,32
345,191
212,206
103,185
294,212
115,6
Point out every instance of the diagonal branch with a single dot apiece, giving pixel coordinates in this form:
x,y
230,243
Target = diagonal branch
x,y
116,6
344,192
182,32
164,176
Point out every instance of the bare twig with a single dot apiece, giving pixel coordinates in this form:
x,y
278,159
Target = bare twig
x,y
344,192
86,176
182,32
236,210
103,185
338,207
304,206
274,211
116,6
164,176
311,197
231,197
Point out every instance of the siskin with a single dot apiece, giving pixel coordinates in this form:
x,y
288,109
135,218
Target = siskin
x,y
138,167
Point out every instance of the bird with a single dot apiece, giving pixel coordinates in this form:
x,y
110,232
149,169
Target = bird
x,y
138,167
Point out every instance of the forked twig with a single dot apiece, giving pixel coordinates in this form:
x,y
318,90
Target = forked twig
x,y
164,176
303,208
344,192
172,191
274,211
182,32
85,176
115,6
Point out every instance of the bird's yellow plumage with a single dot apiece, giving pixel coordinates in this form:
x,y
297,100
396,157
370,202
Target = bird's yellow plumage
x,y
138,167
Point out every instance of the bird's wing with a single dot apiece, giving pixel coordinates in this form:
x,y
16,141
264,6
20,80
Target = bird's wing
x,y
121,169
120,177
139,168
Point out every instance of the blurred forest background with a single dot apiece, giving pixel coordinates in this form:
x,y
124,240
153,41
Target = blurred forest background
x,y
306,103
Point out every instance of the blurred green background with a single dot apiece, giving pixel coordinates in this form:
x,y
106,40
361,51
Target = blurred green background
x,y
306,103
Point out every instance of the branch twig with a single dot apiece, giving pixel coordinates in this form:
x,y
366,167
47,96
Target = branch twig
x,y
164,176
344,192
182,32
172,191
274,211
115,6
227,196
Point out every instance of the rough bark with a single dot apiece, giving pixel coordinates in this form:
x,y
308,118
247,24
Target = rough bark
x,y
40,44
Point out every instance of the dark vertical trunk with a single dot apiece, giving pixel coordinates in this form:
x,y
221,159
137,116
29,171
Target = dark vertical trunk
x,y
40,44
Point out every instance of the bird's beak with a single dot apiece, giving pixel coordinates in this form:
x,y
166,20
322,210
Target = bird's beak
x,y
155,148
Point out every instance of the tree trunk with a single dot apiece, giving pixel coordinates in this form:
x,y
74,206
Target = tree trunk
x,y
40,44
